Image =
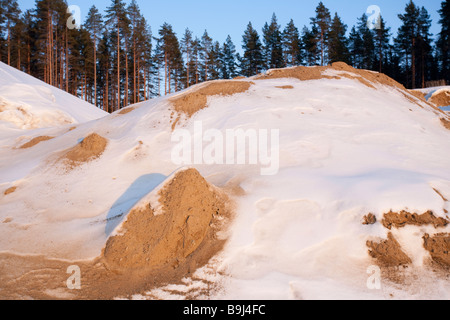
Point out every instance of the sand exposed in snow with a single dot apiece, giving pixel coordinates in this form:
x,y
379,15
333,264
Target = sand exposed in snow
x,y
441,99
89,149
439,248
193,101
401,219
152,241
445,123
388,253
35,141
369,219
10,190
126,110
285,87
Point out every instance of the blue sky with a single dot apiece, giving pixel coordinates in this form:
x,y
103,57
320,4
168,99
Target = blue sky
x,y
231,17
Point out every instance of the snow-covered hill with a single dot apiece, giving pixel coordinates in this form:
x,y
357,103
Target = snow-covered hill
x,y
28,103
346,143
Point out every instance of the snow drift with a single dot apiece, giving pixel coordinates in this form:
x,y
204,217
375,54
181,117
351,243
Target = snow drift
x,y
28,103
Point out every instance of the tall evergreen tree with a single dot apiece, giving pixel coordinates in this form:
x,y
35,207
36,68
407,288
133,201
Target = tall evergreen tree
x,y
355,48
187,48
338,43
94,25
443,42
424,47
407,39
368,44
382,40
310,45
273,50
118,24
206,44
252,61
229,65
321,25
11,16
291,45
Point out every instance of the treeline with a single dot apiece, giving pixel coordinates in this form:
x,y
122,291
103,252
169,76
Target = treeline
x,y
114,60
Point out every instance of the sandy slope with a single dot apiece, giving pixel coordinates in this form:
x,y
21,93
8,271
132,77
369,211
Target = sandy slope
x,y
351,143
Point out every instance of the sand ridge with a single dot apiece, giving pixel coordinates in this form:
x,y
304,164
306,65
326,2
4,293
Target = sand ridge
x,y
191,102
35,141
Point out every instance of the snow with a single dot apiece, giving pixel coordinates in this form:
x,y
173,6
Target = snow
x,y
346,150
28,103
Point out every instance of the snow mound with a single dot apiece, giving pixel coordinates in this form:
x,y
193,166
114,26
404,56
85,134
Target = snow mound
x,y
28,103
351,142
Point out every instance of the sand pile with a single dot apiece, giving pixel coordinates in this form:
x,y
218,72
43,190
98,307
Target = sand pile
x,y
126,110
369,219
191,209
35,141
300,73
388,253
194,101
92,147
285,87
445,123
10,190
368,78
441,99
403,218
439,248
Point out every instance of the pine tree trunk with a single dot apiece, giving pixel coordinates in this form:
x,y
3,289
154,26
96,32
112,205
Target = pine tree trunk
x,y
413,64
127,101
165,73
95,72
9,44
118,64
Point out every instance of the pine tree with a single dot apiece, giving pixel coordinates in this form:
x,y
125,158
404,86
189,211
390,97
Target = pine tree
x,y
11,16
214,62
321,26
169,48
291,45
338,43
310,45
94,25
368,44
382,40
228,62
443,42
355,48
205,52
2,21
424,47
273,50
252,61
187,48
104,70
407,39
118,23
